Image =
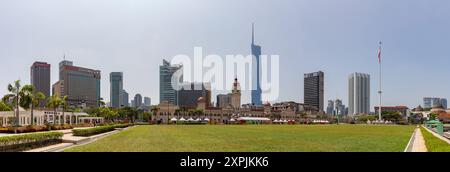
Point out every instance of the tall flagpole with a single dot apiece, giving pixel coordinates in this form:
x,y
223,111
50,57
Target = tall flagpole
x,y
379,92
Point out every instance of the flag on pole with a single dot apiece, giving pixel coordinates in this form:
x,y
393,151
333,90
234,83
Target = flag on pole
x,y
379,54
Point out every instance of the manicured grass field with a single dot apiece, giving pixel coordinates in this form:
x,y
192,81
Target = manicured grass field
x,y
251,138
433,143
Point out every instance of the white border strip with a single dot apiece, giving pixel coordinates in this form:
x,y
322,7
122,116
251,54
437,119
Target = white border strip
x,y
408,147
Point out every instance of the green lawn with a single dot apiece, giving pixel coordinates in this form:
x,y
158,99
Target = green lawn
x,y
251,138
433,143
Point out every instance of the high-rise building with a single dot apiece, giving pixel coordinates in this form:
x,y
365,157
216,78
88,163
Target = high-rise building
x,y
81,85
58,89
430,102
223,100
125,99
336,108
137,100
339,108
444,103
191,92
314,90
116,88
166,91
330,107
147,101
256,52
40,78
358,93
133,104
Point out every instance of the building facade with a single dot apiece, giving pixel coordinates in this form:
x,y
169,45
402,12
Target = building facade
x,y
137,100
147,101
314,89
256,52
116,88
191,92
166,91
223,100
330,107
359,93
339,108
430,102
232,99
81,85
40,78
125,99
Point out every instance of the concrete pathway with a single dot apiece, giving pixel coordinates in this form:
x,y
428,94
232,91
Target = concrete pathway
x,y
71,141
417,142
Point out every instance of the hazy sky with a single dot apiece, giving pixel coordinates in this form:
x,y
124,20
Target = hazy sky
x,y
336,36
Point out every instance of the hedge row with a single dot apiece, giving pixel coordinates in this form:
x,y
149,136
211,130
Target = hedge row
x,y
97,130
34,128
25,142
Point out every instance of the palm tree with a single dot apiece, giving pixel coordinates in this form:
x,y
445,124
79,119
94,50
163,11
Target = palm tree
x,y
32,100
54,102
5,106
19,96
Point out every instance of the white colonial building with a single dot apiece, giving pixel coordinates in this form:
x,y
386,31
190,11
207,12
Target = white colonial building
x,y
41,117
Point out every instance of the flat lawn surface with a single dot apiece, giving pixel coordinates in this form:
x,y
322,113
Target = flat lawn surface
x,y
433,143
252,138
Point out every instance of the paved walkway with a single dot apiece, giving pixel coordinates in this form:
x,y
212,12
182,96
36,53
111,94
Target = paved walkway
x,y
417,143
70,141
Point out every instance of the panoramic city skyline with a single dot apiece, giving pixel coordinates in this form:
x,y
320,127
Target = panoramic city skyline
x,y
338,38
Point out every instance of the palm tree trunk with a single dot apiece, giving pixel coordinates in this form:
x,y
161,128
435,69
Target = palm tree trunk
x,y
54,116
32,115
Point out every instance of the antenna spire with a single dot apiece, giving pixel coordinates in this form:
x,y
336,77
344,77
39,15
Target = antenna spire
x,y
253,33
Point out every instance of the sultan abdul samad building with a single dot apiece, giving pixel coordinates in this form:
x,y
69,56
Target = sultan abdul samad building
x,y
222,115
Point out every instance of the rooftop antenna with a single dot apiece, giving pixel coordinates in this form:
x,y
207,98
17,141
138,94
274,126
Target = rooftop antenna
x,y
253,33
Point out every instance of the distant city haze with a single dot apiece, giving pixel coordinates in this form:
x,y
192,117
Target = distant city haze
x,y
336,37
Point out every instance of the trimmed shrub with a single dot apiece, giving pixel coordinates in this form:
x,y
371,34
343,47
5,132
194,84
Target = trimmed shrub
x,y
25,142
61,127
97,130
82,125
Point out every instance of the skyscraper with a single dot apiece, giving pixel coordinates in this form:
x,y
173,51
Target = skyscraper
x,y
166,91
147,101
314,89
40,78
430,102
116,88
191,92
125,99
358,93
256,52
330,107
339,108
443,103
223,100
81,85
137,100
